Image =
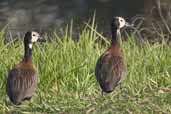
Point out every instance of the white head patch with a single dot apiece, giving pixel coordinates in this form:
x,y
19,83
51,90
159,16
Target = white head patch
x,y
122,22
34,36
30,45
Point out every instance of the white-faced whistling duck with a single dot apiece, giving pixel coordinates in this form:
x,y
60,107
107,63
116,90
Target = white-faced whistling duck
x,y
21,81
110,67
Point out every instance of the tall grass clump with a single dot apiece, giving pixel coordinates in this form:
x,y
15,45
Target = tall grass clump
x,y
66,81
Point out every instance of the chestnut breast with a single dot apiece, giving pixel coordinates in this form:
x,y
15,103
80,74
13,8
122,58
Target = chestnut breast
x,y
110,69
21,82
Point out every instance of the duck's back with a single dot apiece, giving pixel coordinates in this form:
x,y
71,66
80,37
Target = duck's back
x,y
110,70
21,83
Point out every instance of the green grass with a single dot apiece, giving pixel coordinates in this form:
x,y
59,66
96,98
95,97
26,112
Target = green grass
x,y
66,81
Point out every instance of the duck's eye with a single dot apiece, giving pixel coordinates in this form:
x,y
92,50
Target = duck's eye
x,y
121,20
34,35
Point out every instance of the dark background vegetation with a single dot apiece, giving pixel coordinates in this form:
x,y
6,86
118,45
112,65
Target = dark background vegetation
x,y
44,15
22,15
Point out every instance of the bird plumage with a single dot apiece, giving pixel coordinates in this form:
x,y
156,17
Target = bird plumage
x,y
110,67
21,81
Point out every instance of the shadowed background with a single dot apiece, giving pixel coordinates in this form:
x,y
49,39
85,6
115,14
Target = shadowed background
x,y
23,15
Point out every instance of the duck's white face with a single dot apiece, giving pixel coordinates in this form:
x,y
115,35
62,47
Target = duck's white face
x,y
122,22
34,36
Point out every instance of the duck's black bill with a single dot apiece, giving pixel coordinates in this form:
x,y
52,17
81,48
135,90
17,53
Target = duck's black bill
x,y
42,40
128,25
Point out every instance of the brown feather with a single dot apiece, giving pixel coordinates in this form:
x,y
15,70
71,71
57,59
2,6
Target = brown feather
x,y
110,69
21,82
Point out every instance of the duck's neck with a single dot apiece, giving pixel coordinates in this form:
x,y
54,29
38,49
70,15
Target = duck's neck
x,y
27,52
115,38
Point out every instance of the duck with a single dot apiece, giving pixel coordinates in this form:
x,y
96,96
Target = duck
x,y
21,80
110,69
